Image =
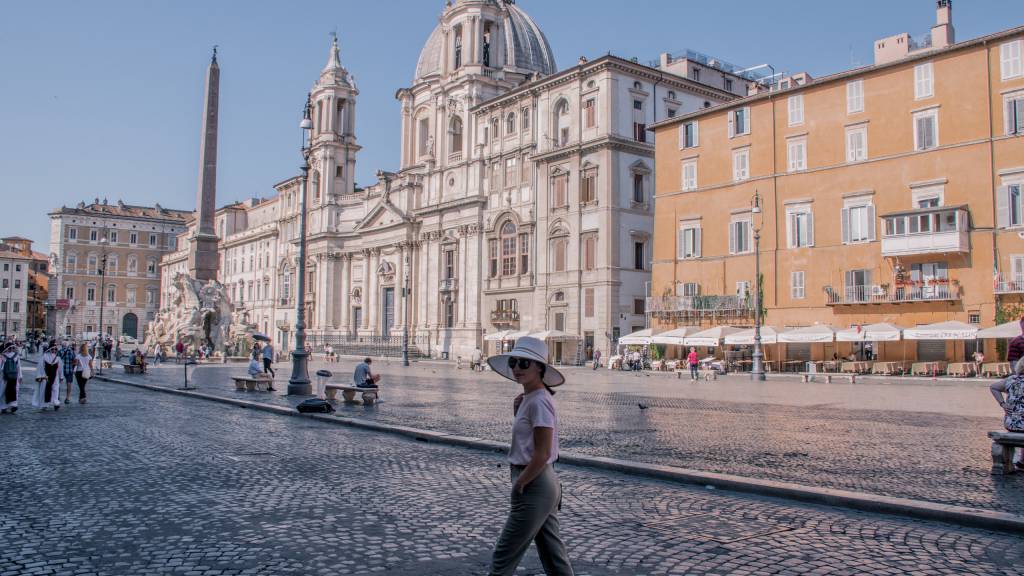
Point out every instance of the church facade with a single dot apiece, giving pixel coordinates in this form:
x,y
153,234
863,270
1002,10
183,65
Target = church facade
x,y
523,200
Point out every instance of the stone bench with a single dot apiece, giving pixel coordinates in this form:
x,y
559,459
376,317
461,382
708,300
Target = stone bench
x,y
132,369
810,376
349,393
258,384
1003,444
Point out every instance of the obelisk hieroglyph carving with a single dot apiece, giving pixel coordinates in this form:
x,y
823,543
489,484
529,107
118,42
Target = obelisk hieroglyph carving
x,y
202,258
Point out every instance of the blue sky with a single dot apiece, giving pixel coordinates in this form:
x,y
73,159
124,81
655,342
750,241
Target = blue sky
x,y
104,98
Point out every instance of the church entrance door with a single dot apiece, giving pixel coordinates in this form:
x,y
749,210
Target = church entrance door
x,y
387,316
130,325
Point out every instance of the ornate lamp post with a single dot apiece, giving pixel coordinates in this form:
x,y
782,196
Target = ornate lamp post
x,y
405,312
103,297
299,383
757,371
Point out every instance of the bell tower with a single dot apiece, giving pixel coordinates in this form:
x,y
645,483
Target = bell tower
x,y
333,140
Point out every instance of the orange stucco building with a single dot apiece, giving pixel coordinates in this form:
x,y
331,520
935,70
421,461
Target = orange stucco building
x,y
889,193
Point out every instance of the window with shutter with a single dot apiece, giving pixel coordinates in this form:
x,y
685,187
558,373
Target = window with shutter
x,y
923,81
796,285
1017,268
689,175
1013,113
855,97
796,110
1011,65
926,130
588,303
797,154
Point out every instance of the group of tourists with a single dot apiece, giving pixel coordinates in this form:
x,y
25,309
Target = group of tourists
x,y
59,366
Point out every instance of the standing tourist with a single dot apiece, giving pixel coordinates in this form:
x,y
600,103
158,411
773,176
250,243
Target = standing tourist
x,y
48,389
67,359
268,359
536,491
11,367
83,371
1015,351
694,363
179,350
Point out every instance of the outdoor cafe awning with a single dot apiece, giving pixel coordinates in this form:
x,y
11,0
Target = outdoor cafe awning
x,y
674,337
640,337
809,334
504,335
554,336
711,336
882,332
769,335
951,330
1003,331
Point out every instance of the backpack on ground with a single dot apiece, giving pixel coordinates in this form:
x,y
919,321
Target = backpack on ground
x,y
10,368
315,406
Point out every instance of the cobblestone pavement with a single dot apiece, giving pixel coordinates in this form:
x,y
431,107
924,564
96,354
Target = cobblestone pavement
x,y
138,483
929,444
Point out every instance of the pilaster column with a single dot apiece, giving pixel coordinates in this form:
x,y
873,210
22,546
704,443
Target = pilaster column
x,y
400,283
325,281
366,289
371,296
344,296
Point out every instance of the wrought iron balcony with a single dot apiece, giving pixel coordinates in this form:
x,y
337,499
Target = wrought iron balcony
x,y
1009,284
933,291
939,230
449,285
504,316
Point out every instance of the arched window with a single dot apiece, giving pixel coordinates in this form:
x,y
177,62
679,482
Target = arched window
x,y
508,249
671,95
286,285
339,118
315,183
249,286
455,132
525,113
510,123
423,136
559,249
562,122
320,116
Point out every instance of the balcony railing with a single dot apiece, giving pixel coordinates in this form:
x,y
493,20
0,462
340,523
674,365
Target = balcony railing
x,y
1009,284
935,291
926,231
504,316
449,284
699,304
455,157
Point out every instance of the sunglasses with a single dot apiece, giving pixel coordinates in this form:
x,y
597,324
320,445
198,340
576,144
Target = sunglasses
x,y
523,363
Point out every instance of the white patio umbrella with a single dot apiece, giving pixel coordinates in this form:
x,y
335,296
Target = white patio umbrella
x,y
710,337
673,337
1003,331
640,337
499,336
951,330
881,332
553,336
769,335
809,334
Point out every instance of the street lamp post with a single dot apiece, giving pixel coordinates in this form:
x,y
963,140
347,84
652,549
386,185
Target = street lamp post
x,y
405,313
299,384
103,297
757,370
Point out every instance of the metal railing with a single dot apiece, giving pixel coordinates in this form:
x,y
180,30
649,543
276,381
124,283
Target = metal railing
x,y
448,284
1009,284
373,346
504,316
884,294
711,303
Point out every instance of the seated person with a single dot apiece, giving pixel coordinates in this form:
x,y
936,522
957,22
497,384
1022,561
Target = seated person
x,y
1012,404
139,360
254,370
362,376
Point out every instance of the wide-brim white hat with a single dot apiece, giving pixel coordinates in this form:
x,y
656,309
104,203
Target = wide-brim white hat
x,y
531,349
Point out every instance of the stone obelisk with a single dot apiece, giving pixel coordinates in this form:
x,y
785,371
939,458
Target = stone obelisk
x,y
202,258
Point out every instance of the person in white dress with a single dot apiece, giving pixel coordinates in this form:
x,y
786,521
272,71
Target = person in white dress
x,y
49,383
83,371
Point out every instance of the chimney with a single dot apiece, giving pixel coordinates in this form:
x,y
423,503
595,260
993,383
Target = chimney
x,y
942,33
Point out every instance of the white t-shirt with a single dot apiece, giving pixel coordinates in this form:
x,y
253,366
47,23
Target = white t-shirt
x,y
537,411
82,361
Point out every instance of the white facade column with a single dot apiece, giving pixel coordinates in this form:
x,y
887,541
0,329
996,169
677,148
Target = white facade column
x,y
325,283
365,304
372,297
400,283
344,296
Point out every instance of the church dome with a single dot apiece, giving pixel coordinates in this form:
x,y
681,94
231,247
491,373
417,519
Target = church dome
x,y
525,47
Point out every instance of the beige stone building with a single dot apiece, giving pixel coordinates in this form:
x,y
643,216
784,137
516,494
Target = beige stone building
x,y
23,287
131,240
890,193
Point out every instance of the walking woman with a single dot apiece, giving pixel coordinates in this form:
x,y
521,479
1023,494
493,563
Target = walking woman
x,y
536,491
83,371
48,387
11,366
